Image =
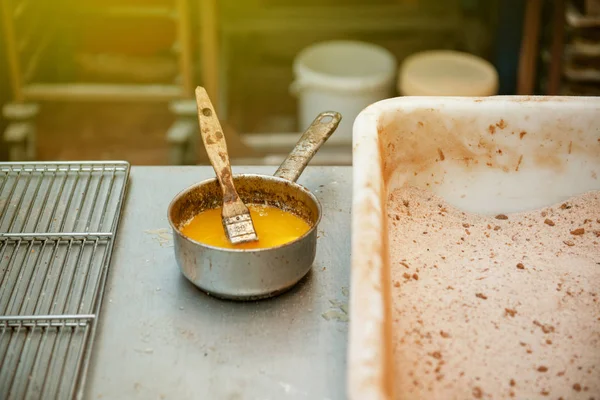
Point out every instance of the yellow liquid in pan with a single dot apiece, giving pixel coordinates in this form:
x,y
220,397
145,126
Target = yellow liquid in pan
x,y
273,226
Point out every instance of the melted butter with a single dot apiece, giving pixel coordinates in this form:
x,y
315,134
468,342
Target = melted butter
x,y
273,226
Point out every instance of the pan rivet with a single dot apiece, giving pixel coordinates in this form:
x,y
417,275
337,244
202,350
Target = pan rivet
x,y
206,112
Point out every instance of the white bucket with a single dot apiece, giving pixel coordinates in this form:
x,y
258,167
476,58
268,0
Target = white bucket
x,y
342,76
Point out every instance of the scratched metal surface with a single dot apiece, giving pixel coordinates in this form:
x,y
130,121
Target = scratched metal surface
x,y
161,338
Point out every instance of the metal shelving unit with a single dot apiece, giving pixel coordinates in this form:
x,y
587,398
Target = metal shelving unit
x,y
582,52
28,40
38,38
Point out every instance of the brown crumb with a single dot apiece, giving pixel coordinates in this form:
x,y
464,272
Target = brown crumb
x,y
523,133
397,284
578,232
465,225
510,311
404,264
548,341
549,222
492,129
565,206
569,243
544,392
437,355
481,296
501,124
542,369
477,392
577,387
561,373
545,328
445,335
415,277
512,382
520,266
497,228
441,154
501,216
406,275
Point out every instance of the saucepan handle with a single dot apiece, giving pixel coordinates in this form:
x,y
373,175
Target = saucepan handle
x,y
317,133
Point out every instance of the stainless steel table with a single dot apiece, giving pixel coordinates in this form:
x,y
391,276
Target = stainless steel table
x,y
159,337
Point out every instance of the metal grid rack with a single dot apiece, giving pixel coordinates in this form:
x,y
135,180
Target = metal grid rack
x,y
58,223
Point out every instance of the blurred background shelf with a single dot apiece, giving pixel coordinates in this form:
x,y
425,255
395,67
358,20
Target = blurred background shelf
x,y
56,50
108,51
570,61
98,92
144,57
128,11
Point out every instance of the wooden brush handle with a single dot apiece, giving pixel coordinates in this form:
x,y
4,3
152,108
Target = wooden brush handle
x,y
214,142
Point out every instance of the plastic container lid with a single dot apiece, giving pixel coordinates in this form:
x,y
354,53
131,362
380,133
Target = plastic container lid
x,y
447,73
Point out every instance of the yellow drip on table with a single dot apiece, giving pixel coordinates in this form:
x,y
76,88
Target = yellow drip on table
x,y
273,226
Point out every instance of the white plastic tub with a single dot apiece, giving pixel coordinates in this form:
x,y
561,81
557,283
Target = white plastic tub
x,y
447,73
550,152
342,76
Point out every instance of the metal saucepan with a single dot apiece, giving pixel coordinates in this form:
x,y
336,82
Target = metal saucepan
x,y
252,274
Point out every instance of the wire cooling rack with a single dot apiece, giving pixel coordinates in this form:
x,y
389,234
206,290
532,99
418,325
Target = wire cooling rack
x,y
57,228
